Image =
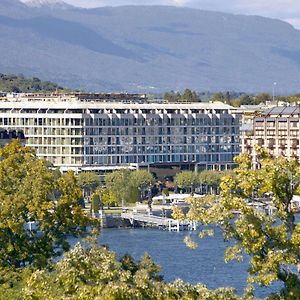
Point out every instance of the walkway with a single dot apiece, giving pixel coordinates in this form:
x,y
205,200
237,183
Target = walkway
x,y
160,222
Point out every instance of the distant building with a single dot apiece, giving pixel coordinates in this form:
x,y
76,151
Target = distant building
x,y
276,129
92,132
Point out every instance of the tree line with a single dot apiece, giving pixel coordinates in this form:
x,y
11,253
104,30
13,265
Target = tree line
x,y
206,182
232,98
11,83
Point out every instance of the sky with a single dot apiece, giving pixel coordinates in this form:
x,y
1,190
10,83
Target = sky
x,y
287,10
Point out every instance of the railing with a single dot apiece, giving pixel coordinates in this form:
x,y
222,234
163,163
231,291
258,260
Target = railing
x,y
168,223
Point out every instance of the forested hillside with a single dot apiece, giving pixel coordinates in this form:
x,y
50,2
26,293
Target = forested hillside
x,y
20,84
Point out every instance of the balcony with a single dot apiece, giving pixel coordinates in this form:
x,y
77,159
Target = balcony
x,y
260,142
295,144
282,146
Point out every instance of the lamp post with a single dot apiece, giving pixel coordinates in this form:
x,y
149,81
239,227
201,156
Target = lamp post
x,y
274,85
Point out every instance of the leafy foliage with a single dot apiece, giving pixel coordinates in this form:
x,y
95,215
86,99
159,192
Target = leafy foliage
x,y
105,196
88,181
187,96
20,84
211,179
187,179
272,242
127,185
94,273
37,210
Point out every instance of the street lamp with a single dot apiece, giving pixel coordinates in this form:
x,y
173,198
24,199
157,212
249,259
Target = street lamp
x,y
274,85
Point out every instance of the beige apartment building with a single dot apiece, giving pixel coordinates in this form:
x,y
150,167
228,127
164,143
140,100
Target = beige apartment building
x,y
276,129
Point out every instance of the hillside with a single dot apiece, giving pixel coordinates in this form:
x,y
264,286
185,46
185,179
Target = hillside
x,y
148,48
20,84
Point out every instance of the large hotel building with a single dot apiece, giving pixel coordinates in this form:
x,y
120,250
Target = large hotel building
x,y
108,131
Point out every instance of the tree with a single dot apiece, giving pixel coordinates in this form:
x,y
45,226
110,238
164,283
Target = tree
x,y
272,242
96,203
142,180
189,96
172,96
129,185
218,97
38,210
119,183
95,273
88,181
18,83
246,100
106,196
187,179
262,98
211,179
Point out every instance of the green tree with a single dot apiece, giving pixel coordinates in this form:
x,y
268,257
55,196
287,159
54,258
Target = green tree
x,y
128,185
119,183
38,210
211,179
142,180
262,98
94,273
189,96
96,203
106,196
247,100
187,179
88,181
218,97
272,242
172,96
165,192
18,83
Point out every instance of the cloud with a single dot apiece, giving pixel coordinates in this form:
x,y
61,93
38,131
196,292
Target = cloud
x,y
100,3
180,2
293,21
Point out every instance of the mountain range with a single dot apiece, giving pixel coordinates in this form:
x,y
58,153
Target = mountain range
x,y
148,48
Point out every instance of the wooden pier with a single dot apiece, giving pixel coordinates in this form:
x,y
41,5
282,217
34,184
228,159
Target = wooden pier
x,y
159,222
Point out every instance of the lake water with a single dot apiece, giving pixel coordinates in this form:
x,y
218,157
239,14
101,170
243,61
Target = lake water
x,y
204,264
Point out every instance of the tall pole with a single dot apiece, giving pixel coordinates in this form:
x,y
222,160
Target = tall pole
x,y
274,85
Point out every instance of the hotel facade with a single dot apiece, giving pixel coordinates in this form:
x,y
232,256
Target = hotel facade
x,y
105,132
276,129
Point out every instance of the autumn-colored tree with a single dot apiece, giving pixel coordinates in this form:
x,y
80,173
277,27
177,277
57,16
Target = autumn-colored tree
x,y
271,241
94,273
37,209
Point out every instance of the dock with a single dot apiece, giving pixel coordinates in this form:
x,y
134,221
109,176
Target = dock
x,y
159,222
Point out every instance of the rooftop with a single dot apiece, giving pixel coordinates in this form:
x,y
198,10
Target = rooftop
x,y
280,111
99,101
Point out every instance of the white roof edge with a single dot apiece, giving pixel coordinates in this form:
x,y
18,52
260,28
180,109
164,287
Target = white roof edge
x,y
118,105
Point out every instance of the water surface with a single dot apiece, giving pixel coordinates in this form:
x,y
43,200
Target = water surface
x,y
204,264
